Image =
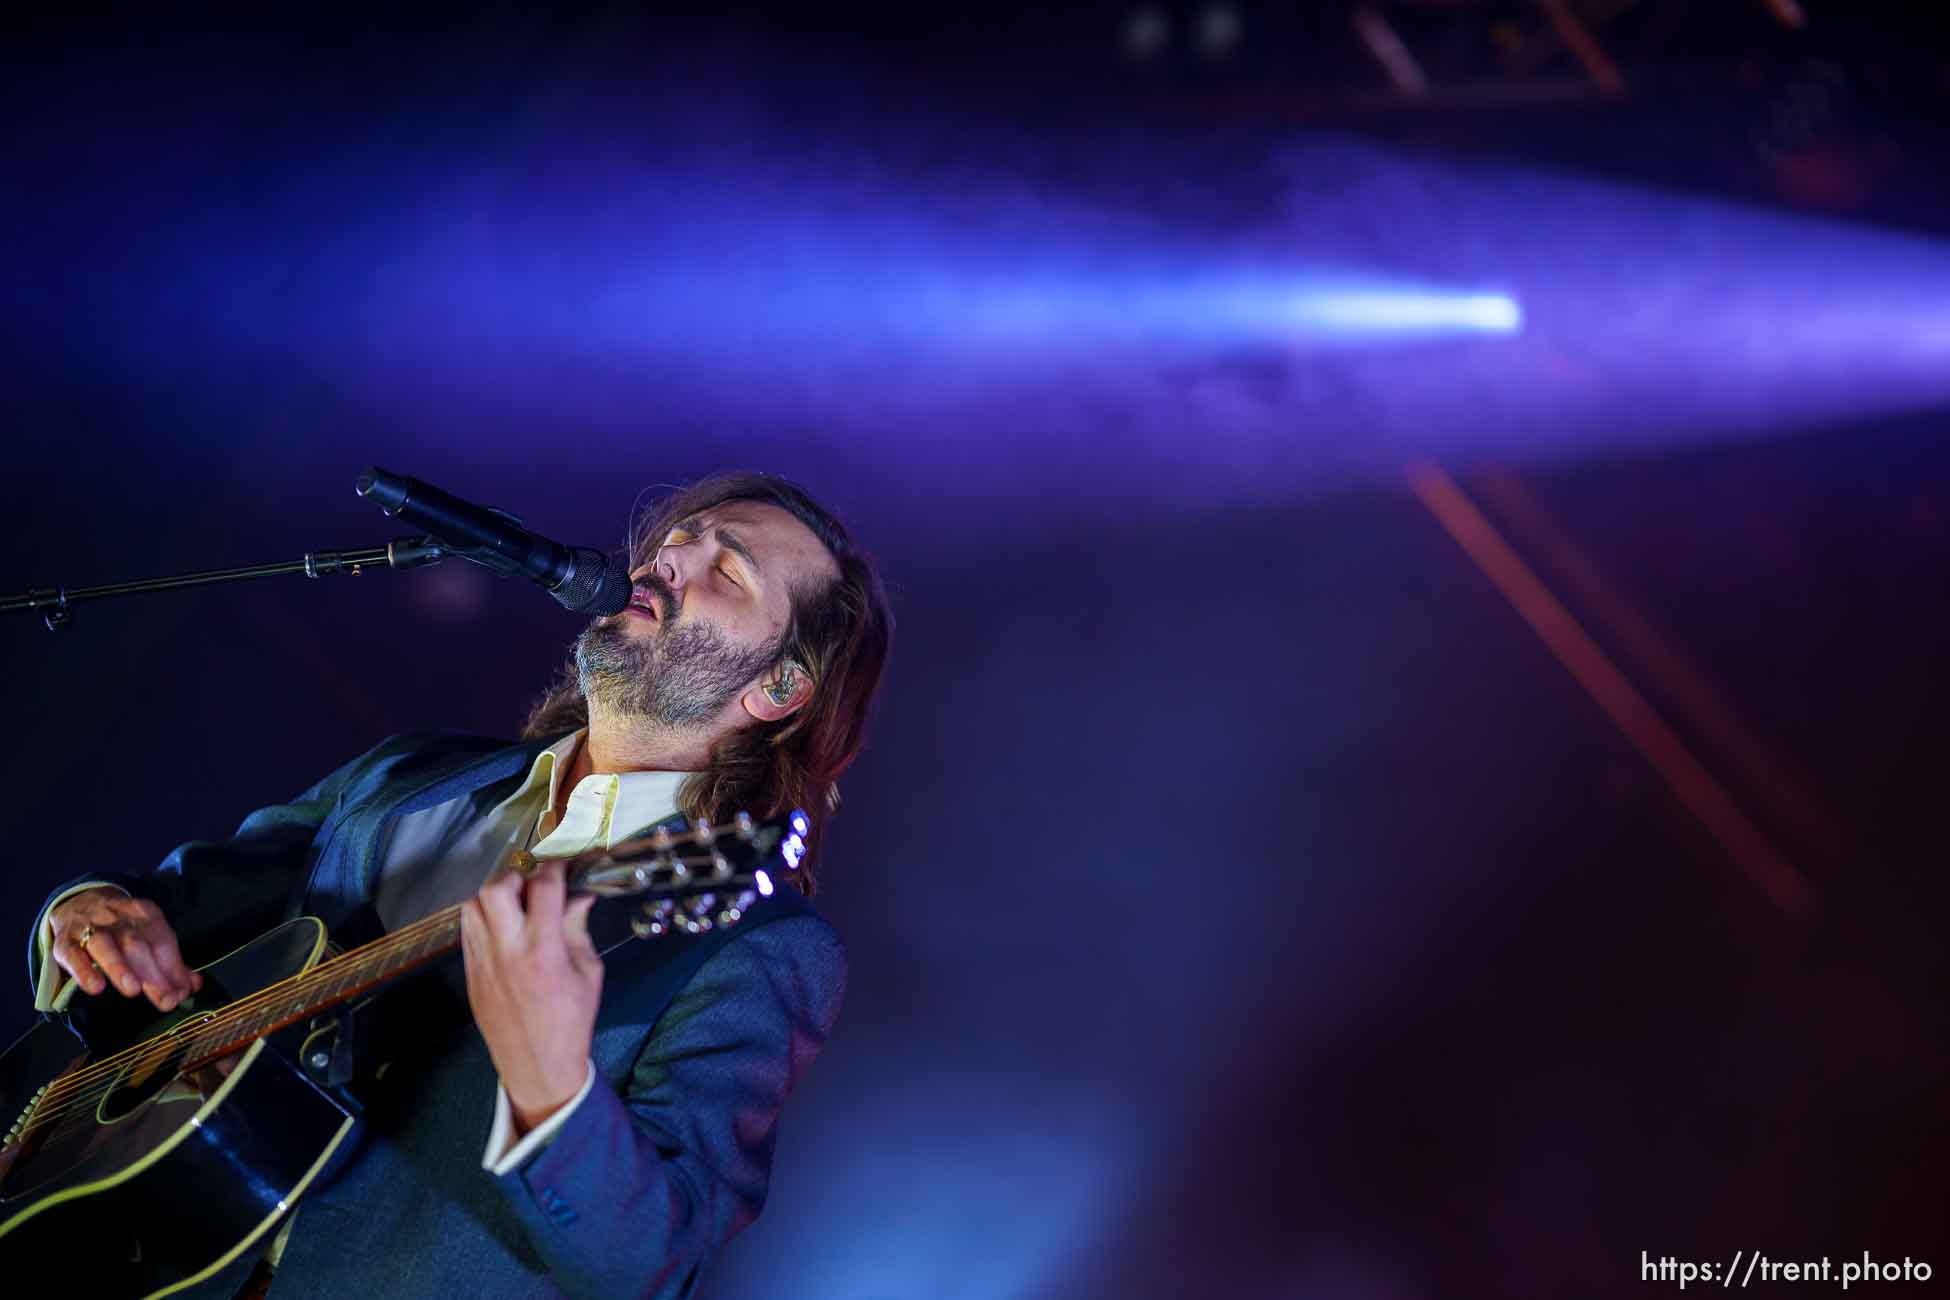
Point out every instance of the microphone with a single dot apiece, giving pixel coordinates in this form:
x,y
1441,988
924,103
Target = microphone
x,y
581,578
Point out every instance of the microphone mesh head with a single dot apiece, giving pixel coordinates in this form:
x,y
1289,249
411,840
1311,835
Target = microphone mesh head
x,y
595,584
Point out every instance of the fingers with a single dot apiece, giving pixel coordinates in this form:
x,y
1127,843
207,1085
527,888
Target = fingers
x,y
546,892
532,917
69,922
521,911
575,929
149,946
575,920
129,959
70,957
473,926
105,953
499,904
141,962
130,947
169,961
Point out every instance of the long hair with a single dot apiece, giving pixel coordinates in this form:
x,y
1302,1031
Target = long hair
x,y
839,632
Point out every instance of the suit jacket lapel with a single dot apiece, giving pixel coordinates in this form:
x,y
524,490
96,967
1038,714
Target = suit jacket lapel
x,y
349,865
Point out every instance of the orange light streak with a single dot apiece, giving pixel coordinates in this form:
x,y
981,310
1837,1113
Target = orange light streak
x,y
1633,715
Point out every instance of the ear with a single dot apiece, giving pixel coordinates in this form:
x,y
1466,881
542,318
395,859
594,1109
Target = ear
x,y
780,694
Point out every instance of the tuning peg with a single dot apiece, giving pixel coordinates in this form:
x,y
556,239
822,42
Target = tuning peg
x,y
743,821
703,830
736,911
700,919
652,920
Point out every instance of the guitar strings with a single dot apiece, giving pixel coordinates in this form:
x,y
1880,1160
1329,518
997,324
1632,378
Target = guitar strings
x,y
74,1093
78,1099
232,1011
239,1009
61,1106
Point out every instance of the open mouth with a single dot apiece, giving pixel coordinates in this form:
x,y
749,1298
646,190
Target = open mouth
x,y
643,604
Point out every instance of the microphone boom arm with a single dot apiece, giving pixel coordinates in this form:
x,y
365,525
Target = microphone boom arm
x,y
54,604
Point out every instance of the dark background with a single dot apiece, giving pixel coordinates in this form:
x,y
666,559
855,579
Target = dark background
x,y
1241,898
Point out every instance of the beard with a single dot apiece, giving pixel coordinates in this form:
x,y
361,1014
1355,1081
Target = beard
x,y
676,679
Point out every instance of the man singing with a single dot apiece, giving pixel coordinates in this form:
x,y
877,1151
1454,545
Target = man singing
x,y
611,1124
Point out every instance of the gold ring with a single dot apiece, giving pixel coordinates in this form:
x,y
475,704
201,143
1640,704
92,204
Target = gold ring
x,y
87,933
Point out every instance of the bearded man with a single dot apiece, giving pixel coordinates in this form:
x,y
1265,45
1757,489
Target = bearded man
x,y
611,1124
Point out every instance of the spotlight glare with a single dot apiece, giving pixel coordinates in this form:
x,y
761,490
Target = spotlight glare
x,y
1398,312
1494,312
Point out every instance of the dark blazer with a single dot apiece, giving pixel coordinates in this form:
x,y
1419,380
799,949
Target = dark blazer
x,y
698,1041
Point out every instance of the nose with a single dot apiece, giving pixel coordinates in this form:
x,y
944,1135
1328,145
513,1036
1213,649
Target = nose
x,y
673,566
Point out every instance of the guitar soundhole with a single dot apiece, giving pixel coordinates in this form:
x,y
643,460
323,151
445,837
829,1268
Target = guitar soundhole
x,y
154,1073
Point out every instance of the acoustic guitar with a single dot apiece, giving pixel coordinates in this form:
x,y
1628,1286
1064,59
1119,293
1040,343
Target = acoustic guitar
x,y
205,1124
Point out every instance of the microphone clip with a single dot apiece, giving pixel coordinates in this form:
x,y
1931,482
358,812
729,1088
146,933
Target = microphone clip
x,y
500,565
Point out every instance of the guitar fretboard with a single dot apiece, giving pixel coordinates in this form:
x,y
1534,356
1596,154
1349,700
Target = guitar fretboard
x,y
332,981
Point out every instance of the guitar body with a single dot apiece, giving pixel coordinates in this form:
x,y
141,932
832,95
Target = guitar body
x,y
156,1181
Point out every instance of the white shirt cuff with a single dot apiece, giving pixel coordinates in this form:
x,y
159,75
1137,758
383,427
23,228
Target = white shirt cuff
x,y
54,988
511,1158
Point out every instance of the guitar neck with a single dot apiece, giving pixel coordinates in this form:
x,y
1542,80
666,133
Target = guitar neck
x,y
331,982
715,881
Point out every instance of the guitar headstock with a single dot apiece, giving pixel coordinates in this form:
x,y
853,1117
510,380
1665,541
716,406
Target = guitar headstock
x,y
692,881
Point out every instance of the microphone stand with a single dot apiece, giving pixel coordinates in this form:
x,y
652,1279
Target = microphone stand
x,y
52,603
